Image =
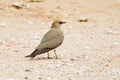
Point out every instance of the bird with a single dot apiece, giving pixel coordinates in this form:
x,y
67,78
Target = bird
x,y
51,40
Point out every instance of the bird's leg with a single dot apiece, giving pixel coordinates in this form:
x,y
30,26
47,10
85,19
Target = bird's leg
x,y
48,55
31,59
55,54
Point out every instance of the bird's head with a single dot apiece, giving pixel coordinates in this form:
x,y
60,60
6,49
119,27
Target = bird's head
x,y
57,23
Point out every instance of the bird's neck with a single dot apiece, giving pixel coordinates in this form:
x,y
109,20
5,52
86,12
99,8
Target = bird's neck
x,y
56,26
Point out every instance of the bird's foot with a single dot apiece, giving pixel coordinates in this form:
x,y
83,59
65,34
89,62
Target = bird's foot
x,y
49,57
56,57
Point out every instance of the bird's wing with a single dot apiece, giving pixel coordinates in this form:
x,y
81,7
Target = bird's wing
x,y
50,35
54,42
51,40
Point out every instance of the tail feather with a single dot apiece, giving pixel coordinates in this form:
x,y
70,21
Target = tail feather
x,y
33,54
37,52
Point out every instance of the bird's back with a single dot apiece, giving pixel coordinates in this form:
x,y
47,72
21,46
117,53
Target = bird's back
x,y
52,39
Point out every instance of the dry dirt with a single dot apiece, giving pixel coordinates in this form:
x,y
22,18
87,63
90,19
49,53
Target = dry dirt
x,y
91,48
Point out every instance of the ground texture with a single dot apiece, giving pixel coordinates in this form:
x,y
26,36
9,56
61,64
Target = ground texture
x,y
91,48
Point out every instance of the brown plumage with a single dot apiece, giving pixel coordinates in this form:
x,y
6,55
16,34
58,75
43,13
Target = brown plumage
x,y
51,40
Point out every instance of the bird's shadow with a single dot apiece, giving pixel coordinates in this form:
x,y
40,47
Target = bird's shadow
x,y
44,58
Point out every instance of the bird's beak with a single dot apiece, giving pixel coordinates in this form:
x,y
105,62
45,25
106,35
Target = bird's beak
x,y
62,22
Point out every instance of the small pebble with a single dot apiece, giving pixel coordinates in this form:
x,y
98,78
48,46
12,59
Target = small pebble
x,y
36,0
72,59
78,56
26,78
83,20
16,51
27,70
2,24
113,32
49,78
17,5
24,46
40,78
116,43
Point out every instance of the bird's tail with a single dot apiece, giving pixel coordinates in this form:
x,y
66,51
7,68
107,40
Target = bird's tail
x,y
33,54
37,52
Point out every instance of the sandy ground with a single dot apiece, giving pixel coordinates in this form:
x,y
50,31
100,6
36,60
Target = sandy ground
x,y
90,51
